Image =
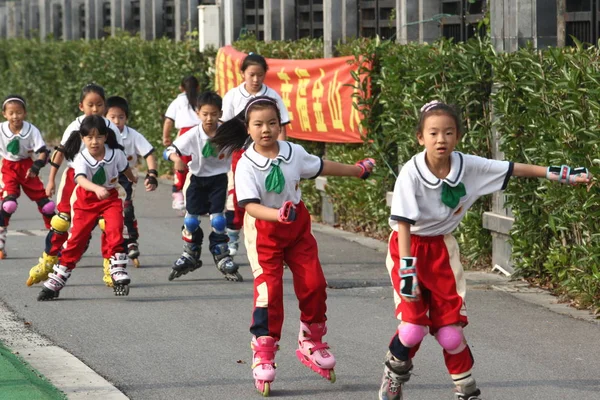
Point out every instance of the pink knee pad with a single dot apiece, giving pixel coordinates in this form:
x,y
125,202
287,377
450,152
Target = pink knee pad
x,y
9,206
410,334
451,339
49,208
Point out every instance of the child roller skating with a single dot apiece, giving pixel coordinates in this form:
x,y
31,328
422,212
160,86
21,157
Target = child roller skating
x,y
96,171
136,147
206,193
277,229
18,141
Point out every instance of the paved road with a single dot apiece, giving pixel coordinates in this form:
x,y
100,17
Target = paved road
x,y
189,339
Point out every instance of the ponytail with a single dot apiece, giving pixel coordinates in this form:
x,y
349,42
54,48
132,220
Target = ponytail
x,y
190,84
231,136
72,146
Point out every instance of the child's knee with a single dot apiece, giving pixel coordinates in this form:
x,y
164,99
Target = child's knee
x,y
451,338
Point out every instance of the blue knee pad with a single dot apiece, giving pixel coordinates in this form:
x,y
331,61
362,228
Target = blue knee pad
x,y
191,223
218,223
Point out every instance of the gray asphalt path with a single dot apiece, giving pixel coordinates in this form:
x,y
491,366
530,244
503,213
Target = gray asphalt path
x,y
189,339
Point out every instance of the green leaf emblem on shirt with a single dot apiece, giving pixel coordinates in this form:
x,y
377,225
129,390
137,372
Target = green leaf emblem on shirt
x,y
275,181
13,147
208,150
451,195
99,177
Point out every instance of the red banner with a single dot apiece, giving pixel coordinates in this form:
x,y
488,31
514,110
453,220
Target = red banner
x,y
317,93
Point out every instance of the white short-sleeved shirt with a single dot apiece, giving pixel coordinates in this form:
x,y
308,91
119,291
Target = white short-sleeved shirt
x,y
418,192
114,163
30,140
236,99
252,171
192,144
135,145
182,113
75,125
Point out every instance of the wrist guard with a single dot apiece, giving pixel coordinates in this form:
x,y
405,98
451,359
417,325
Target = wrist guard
x,y
566,174
366,166
151,180
408,277
287,213
37,165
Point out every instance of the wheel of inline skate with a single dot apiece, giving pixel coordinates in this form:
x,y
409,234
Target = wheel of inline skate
x,y
136,262
174,274
239,277
263,388
30,281
332,376
2,254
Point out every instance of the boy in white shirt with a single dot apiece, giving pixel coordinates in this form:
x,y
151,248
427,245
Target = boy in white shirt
x,y
206,193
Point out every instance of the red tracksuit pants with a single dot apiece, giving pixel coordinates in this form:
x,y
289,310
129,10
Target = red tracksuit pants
x,y
269,244
442,284
55,241
13,179
87,208
179,178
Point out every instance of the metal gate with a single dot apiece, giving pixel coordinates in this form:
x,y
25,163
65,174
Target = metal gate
x,y
309,19
462,17
582,21
376,17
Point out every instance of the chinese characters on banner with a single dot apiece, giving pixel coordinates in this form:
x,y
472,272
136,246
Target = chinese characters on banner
x,y
317,93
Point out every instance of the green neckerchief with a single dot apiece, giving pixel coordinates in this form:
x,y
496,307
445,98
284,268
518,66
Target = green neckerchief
x,y
208,150
275,181
13,147
99,177
451,195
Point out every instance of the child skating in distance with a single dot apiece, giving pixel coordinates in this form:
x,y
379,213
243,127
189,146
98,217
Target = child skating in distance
x,y
96,173
182,115
206,193
254,70
18,140
135,145
277,229
433,192
91,102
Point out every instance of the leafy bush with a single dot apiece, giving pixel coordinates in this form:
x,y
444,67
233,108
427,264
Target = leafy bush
x,y
50,76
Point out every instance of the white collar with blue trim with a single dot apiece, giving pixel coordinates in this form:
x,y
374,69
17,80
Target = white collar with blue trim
x,y
454,177
245,93
109,154
25,130
262,163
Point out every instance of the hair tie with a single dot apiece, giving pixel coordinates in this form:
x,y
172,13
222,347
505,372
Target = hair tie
x,y
12,99
258,100
250,53
430,105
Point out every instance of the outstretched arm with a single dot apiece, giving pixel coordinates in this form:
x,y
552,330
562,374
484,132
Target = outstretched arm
x,y
361,169
563,174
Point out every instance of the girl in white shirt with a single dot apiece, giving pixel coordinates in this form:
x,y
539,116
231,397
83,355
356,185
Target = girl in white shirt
x,y
432,194
97,170
277,229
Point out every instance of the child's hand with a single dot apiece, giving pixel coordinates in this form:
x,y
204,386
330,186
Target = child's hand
x,y
287,213
50,188
167,141
150,183
101,193
566,174
366,167
35,169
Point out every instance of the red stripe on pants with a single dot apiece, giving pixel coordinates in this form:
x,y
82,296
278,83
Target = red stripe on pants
x,y
179,178
86,210
13,179
294,244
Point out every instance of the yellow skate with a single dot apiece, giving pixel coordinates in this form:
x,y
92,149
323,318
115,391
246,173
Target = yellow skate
x,y
40,272
107,278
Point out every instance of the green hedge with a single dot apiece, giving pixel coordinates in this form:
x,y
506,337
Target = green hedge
x,y
547,105
50,76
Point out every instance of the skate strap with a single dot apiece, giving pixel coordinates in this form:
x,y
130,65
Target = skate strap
x,y
318,346
263,361
60,274
115,270
116,261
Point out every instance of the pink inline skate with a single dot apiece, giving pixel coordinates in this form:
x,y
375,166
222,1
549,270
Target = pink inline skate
x,y
263,362
313,353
